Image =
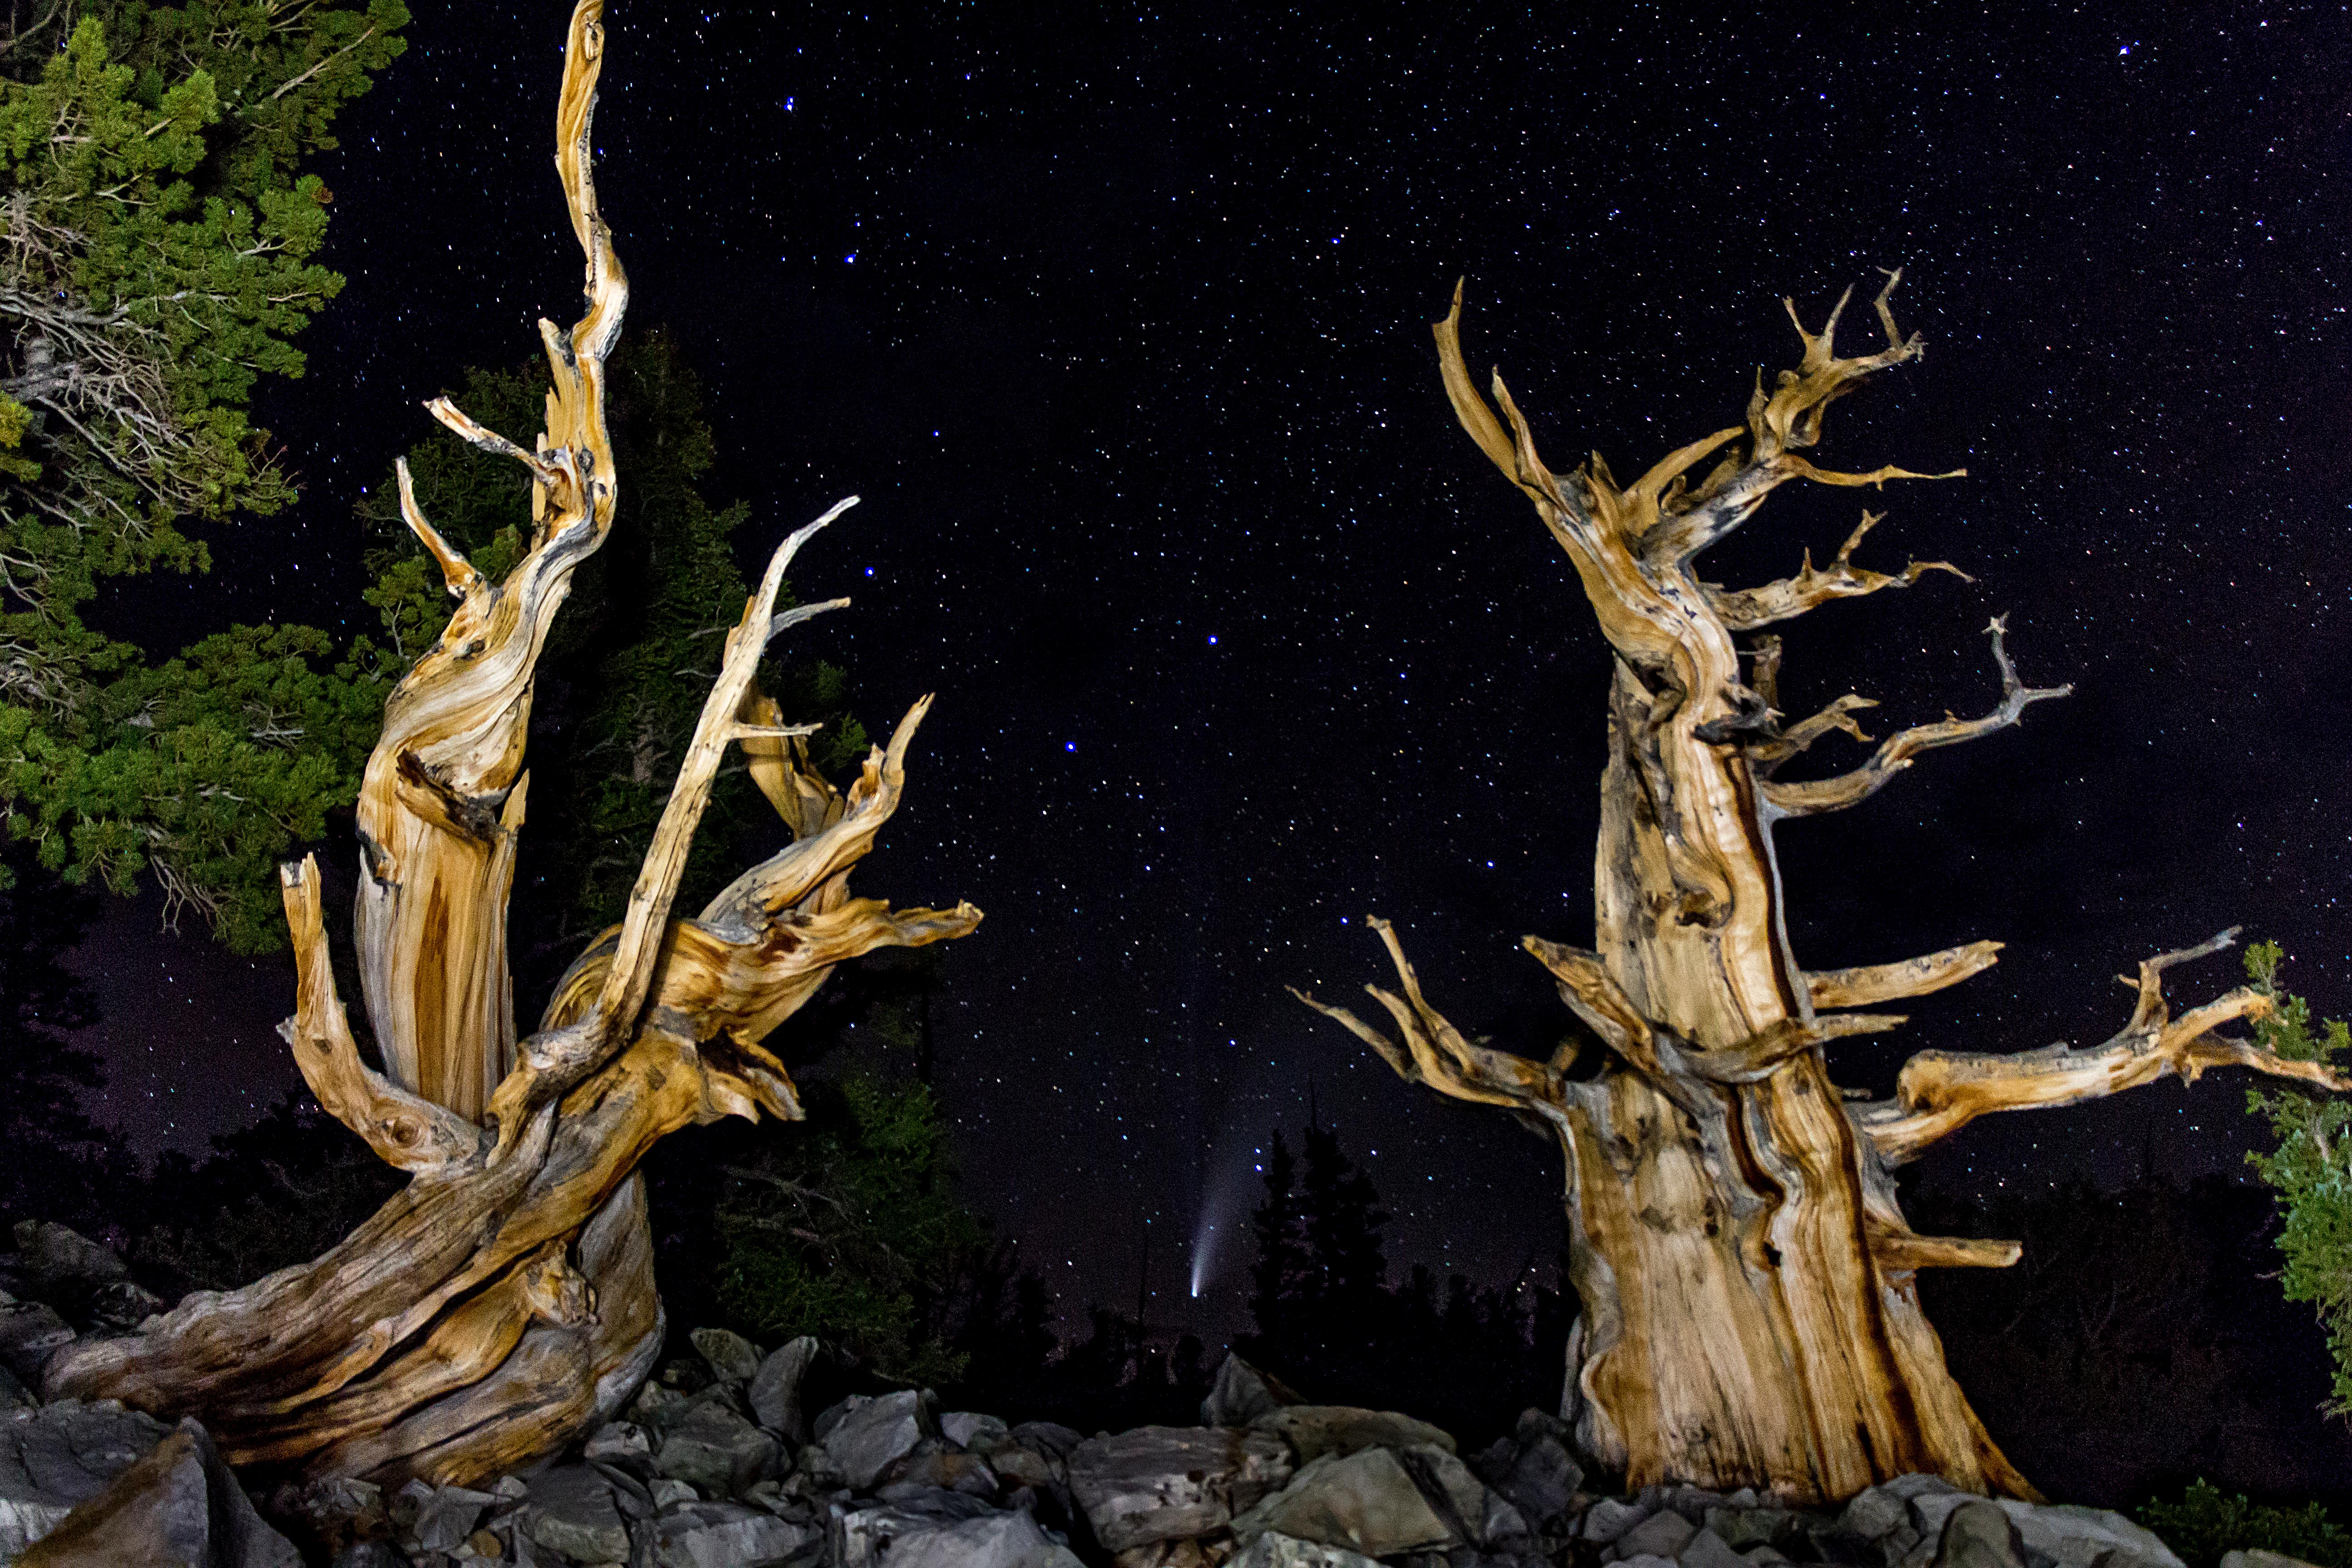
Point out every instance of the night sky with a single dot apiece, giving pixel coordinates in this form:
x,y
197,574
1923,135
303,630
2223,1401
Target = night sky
x,y
1118,320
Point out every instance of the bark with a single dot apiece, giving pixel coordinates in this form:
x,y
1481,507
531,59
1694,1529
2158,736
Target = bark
x,y
1750,1315
504,1301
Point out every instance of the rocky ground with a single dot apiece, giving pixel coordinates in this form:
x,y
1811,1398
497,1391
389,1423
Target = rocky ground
x,y
718,1463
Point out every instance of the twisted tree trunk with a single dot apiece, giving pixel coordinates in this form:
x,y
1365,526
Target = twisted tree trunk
x,y
505,1299
1751,1311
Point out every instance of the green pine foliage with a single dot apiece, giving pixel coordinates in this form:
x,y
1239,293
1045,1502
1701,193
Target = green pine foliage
x,y
2204,1524
156,262
2310,1167
847,1228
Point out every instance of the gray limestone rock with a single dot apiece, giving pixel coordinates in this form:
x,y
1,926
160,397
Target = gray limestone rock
x,y
1540,1480
727,1535
776,1388
624,1446
178,1503
2080,1537
1315,1430
988,1541
1609,1518
30,1333
1978,1534
1743,1527
716,1450
869,1535
944,1471
370,1554
1242,1393
734,1358
1366,1502
1020,1466
59,1455
448,1517
1706,1548
2257,1558
54,1254
1273,1551
863,1435
1663,1534
572,1511
980,1433
1049,1438
1160,1483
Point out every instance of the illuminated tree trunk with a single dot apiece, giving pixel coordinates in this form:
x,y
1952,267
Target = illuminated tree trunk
x,y
1750,1311
504,1300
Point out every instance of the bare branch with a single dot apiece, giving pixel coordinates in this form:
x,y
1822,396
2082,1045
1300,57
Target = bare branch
x,y
1907,977
1896,1249
1750,608
1798,738
1938,1092
406,1130
457,571
1818,795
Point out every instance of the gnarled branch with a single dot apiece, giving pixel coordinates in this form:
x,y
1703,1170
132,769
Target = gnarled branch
x,y
1937,1092
1748,608
1907,977
1817,796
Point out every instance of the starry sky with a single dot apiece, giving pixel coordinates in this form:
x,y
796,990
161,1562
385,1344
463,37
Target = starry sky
x,y
1118,319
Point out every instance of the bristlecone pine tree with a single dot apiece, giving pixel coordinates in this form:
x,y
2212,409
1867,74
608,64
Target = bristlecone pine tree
x,y
504,1300
1750,1313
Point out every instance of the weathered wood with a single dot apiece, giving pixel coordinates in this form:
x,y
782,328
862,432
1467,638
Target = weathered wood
x,y
504,1301
1750,1314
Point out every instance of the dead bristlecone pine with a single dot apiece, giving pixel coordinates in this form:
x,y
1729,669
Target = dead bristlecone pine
x,y
1750,1308
503,1303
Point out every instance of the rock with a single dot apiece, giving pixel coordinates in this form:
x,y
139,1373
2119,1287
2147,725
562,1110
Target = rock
x,y
1706,1548
177,1505
1447,1483
989,1541
734,1358
1609,1518
863,1435
370,1554
1743,1527
1242,1393
668,1494
1273,1551
448,1517
124,1305
1873,1514
716,1450
1978,1534
1052,1441
1174,1554
727,1535
1024,1468
1663,1534
14,1395
1158,1483
30,1333
1540,1480
55,1255
980,1433
1366,1500
657,1408
776,1388
572,1511
335,1511
59,1455
871,1535
622,1445
1315,1430
942,1472
2080,1537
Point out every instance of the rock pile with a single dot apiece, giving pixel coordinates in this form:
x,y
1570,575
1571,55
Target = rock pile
x,y
720,1462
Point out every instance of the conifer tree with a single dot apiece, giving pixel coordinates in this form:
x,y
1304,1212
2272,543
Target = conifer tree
x,y
1278,1273
156,261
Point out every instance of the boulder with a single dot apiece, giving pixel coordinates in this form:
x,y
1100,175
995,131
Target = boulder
x,y
1242,1393
1159,1483
988,1541
370,1554
980,1433
1742,1527
871,1535
30,1333
1366,1502
727,1535
2079,1537
734,1358
716,1450
863,1435
1663,1534
1272,1550
1539,1477
124,1305
178,1505
1979,1535
776,1388
1049,1438
59,1455
1609,1518
624,1446
572,1511
944,1471
448,1517
1021,1467
1706,1548
56,1255
1315,1430
2254,1557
